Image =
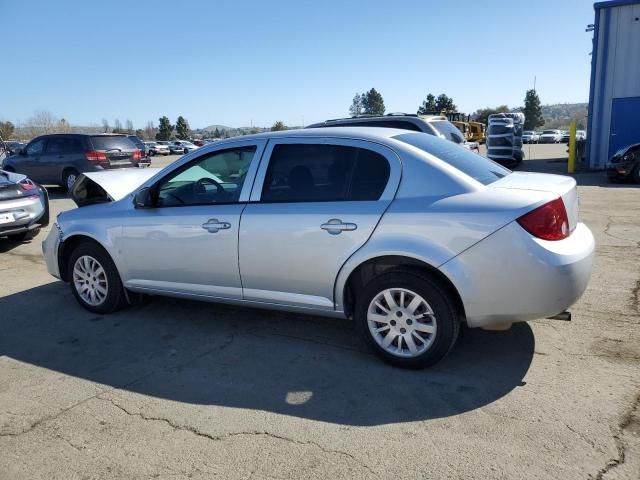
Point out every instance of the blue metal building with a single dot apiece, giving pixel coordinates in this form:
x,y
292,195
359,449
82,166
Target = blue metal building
x,y
614,96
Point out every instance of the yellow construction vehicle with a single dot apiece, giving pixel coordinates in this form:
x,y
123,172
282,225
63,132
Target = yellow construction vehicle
x,y
478,132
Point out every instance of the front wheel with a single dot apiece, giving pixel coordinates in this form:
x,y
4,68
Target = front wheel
x,y
635,174
95,281
407,319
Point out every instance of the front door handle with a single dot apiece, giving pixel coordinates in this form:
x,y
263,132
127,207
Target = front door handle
x,y
336,226
213,225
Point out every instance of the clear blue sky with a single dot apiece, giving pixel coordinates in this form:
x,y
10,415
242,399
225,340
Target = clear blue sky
x,y
237,62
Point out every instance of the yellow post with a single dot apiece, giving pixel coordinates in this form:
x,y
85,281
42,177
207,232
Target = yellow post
x,y
572,148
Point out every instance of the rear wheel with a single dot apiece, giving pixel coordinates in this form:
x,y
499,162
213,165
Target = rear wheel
x,y
407,319
635,174
69,177
94,279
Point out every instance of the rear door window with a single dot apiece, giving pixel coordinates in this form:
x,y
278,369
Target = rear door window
x,y
324,173
112,142
64,145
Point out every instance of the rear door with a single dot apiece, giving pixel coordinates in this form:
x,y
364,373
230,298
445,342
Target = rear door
x,y
59,154
625,123
313,204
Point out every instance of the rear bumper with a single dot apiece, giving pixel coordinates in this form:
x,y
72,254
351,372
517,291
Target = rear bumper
x,y
27,213
512,276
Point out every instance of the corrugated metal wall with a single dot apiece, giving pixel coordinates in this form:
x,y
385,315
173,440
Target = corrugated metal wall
x,y
617,73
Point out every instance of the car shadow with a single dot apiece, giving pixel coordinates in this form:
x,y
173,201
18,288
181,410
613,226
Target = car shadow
x,y
208,354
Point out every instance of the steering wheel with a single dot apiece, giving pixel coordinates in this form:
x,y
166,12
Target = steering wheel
x,y
200,189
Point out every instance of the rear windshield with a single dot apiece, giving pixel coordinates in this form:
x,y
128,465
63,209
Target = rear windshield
x,y
449,130
477,167
112,142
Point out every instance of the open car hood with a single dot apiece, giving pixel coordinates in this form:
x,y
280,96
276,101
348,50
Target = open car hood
x,y
109,186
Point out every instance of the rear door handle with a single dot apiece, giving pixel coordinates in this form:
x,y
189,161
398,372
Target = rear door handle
x,y
213,225
336,226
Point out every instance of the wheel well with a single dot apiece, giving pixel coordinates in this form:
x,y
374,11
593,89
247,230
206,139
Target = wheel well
x,y
374,267
67,247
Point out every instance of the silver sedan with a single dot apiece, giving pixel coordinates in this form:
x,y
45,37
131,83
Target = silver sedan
x,y
407,234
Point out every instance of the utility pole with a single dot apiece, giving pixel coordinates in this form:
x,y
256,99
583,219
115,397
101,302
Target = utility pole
x,y
534,83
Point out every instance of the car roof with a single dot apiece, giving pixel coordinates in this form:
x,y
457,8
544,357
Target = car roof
x,y
363,133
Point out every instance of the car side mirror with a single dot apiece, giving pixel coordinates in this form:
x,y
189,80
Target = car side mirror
x,y
142,198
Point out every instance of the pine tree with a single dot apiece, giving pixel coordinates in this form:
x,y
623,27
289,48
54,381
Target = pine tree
x,y
165,129
428,105
532,111
356,105
445,103
183,132
373,103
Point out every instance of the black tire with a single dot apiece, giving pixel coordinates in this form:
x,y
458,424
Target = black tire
x,y
446,316
185,151
115,297
24,236
66,176
635,174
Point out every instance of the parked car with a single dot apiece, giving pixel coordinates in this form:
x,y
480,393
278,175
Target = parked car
x,y
529,136
437,125
565,136
141,146
58,159
182,146
157,148
24,207
551,136
625,164
403,232
581,135
14,147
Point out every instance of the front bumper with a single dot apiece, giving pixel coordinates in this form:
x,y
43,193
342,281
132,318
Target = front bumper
x,y
619,170
512,276
50,247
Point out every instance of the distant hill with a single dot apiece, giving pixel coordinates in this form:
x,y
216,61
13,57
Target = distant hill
x,y
212,128
560,115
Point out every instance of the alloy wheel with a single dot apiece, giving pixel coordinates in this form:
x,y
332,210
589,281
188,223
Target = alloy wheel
x,y
401,322
90,280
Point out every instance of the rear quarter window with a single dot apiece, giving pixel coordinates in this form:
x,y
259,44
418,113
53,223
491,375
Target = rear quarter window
x,y
106,142
475,166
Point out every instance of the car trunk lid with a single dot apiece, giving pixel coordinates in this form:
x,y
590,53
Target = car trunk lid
x,y
9,188
563,186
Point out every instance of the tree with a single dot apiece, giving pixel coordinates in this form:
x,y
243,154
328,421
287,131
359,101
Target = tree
x,y
278,126
117,126
217,133
6,130
356,105
150,131
129,126
532,111
428,105
105,125
63,126
140,134
445,103
373,103
183,132
165,129
482,114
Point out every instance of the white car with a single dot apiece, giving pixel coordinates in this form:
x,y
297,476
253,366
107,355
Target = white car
x,y
581,135
529,136
551,136
182,146
405,233
155,148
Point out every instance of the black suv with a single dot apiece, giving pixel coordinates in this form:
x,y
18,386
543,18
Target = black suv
x,y
58,159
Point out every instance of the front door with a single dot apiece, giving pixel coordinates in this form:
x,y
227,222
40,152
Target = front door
x,y
30,163
314,203
625,123
187,243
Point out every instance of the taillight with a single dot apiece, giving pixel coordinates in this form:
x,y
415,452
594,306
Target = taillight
x,y
95,156
137,155
548,222
27,185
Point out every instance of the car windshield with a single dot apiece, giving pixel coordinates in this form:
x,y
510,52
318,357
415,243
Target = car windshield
x,y
550,132
477,167
448,130
527,132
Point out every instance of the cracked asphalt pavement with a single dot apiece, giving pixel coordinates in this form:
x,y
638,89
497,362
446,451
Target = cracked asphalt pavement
x,y
179,389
